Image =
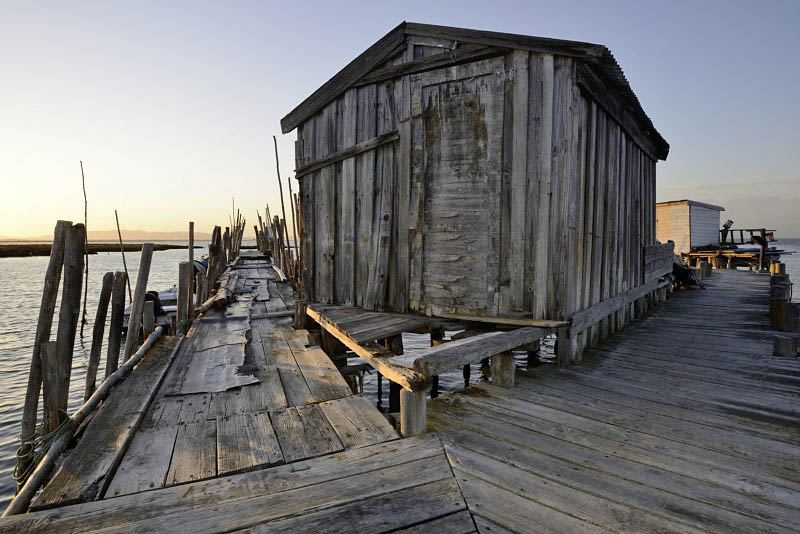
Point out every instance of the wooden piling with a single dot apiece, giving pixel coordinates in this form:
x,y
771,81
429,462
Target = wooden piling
x,y
135,318
124,263
44,325
413,413
201,290
778,300
185,271
97,335
437,338
53,370
148,318
115,326
69,312
503,369
191,242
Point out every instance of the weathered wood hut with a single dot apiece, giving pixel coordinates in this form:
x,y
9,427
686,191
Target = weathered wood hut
x,y
688,223
461,172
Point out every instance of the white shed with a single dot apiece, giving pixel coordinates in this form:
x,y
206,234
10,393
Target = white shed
x,y
688,223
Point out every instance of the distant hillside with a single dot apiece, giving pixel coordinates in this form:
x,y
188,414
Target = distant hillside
x,y
127,235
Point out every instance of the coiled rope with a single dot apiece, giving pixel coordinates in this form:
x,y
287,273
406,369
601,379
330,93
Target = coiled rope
x,y
31,451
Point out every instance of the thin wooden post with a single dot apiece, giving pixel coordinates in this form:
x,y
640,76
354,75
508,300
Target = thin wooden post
x,y
567,346
124,263
184,294
52,280
200,288
22,500
503,369
294,217
779,299
97,335
278,168
148,318
413,413
52,409
115,327
70,302
191,242
437,338
135,318
395,345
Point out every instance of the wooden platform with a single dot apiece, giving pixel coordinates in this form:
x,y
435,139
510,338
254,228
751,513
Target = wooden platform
x,y
242,392
684,422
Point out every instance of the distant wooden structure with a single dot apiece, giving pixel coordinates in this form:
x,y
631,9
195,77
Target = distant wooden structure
x,y
688,223
481,176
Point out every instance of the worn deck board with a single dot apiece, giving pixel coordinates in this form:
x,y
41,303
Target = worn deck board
x,y
204,423
87,472
363,489
648,435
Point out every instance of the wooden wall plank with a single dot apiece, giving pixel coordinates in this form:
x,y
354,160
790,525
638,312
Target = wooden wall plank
x,y
324,214
543,173
518,189
346,206
535,108
306,134
399,283
382,216
589,218
417,201
610,242
563,198
365,187
622,227
581,131
599,215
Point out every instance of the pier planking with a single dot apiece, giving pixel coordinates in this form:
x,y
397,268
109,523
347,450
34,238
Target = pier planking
x,y
281,402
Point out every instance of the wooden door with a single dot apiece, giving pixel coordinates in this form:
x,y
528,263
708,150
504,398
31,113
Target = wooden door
x,y
462,126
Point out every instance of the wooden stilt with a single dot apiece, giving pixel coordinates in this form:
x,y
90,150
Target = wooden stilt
x,y
413,412
52,280
115,327
503,369
97,335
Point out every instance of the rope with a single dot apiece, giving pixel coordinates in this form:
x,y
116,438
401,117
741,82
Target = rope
x,y
31,451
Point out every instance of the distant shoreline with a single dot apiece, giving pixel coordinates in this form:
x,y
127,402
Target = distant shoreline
x,y
42,249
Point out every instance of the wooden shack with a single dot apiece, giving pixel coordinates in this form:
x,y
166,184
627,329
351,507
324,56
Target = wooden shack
x,y
465,173
688,223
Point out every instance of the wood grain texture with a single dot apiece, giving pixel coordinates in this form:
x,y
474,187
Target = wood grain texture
x,y
304,432
195,454
246,441
144,466
87,472
357,422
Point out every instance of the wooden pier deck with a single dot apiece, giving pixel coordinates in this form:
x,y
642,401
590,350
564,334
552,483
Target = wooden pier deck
x,y
683,422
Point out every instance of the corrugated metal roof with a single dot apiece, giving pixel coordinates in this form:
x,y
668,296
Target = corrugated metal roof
x,y
598,56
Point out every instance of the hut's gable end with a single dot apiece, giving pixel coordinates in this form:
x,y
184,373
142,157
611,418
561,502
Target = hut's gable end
x,y
496,186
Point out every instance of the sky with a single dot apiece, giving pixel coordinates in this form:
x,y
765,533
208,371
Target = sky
x,y
172,105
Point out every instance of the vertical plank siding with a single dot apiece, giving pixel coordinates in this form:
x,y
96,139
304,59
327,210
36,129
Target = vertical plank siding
x,y
509,192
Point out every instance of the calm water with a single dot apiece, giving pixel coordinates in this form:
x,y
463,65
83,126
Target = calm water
x,y
20,291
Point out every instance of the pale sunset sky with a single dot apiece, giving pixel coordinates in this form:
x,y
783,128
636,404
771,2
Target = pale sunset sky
x,y
172,105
